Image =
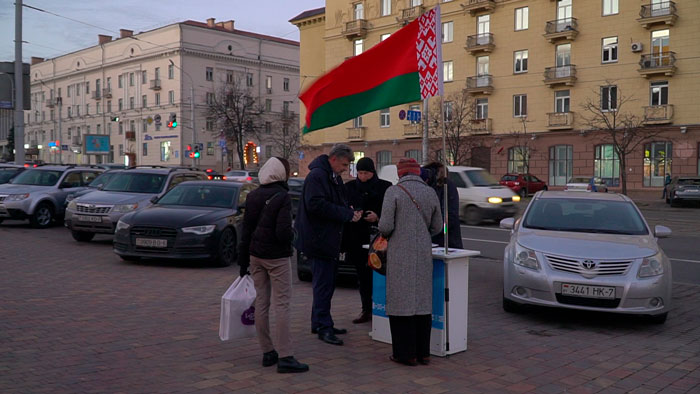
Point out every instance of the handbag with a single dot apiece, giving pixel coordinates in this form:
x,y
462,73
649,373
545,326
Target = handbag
x,y
237,310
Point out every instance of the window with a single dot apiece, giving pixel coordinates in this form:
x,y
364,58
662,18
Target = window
x,y
210,98
357,122
608,98
609,49
144,125
210,148
520,61
171,97
98,129
109,106
120,83
607,164
482,68
414,154
121,104
657,162
385,7
121,150
144,77
520,105
285,107
131,79
249,79
87,111
518,159
383,159
482,108
109,85
659,93
521,18
447,31
109,128
561,164
132,125
268,127
447,71
210,74
384,118
698,150
156,73
157,98
268,83
144,101
561,101
131,103
268,150
210,124
359,11
171,71
285,84
165,151
268,105
384,36
229,76
610,7
87,89
144,149
416,3
449,111
357,47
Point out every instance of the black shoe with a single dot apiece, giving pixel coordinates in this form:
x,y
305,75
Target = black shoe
x,y
270,358
336,331
329,337
291,365
363,318
411,362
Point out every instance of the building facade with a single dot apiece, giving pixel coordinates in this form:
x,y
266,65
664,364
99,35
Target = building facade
x,y
528,68
131,88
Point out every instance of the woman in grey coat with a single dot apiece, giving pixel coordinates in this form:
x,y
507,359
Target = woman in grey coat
x,y
408,222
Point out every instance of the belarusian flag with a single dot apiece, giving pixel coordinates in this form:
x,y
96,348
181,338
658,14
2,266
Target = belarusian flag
x,y
405,67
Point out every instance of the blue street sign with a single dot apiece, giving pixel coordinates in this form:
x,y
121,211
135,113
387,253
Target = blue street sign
x,y
413,116
64,147
222,142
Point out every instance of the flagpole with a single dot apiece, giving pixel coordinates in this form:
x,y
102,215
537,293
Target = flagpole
x,y
444,160
425,151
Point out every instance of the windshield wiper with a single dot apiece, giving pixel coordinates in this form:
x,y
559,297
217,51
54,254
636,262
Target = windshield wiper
x,y
598,231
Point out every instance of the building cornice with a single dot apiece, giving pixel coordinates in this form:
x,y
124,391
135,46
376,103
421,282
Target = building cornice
x,y
240,60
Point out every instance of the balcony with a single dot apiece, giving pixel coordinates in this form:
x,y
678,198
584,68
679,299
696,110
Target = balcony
x,y
356,29
560,120
107,92
288,115
409,14
560,75
52,102
130,135
663,13
97,95
356,133
482,84
480,126
413,130
155,84
658,114
480,43
76,141
663,63
561,29
476,6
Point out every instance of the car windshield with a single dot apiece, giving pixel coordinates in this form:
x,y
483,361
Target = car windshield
x,y
37,178
7,173
584,216
509,178
689,181
481,178
295,184
135,183
199,196
254,174
101,179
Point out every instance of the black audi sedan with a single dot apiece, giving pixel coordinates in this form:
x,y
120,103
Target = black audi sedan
x,y
194,220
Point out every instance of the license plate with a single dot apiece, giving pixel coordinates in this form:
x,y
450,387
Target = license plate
x,y
587,291
92,219
152,242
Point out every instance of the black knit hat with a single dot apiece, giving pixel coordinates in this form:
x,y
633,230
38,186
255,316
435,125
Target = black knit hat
x,y
365,164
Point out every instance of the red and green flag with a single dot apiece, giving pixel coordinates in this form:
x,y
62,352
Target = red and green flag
x,y
405,67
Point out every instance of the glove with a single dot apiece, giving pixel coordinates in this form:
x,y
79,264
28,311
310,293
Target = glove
x,y
244,270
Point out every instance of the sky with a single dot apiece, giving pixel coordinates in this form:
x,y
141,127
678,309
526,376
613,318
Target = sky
x,y
49,36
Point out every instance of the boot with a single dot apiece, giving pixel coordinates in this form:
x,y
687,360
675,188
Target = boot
x,y
290,365
270,358
363,318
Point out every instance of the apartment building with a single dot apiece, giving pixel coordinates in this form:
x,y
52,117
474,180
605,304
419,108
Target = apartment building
x,y
130,88
528,67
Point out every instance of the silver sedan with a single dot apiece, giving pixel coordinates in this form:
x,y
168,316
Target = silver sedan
x,y
589,251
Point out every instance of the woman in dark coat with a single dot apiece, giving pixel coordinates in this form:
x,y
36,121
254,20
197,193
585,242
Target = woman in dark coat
x,y
435,175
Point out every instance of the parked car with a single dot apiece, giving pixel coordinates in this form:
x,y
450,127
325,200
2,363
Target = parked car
x,y
9,171
583,184
684,188
523,184
296,185
38,194
215,176
194,220
132,189
111,166
480,195
588,251
96,184
243,176
346,269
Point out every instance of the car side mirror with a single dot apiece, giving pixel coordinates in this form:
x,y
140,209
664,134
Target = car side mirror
x,y
154,199
65,185
507,223
662,231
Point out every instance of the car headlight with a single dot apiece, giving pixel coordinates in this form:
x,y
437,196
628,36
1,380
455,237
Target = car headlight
x,y
17,197
199,230
526,258
651,266
122,226
516,198
72,205
125,207
495,200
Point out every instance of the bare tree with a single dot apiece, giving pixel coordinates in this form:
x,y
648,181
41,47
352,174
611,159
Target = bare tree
x,y
522,151
285,137
236,114
461,127
607,112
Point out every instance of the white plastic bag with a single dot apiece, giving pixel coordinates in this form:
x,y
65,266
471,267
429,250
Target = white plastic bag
x,y
237,310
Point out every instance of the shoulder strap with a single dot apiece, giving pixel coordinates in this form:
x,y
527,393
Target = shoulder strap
x,y
414,202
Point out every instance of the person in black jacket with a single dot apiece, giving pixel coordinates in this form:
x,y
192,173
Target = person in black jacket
x,y
323,210
365,193
266,247
435,175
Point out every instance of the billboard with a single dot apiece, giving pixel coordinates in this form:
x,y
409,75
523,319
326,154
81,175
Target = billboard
x,y
96,144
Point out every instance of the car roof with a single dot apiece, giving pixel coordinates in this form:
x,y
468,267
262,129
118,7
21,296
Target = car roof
x,y
688,177
64,168
463,168
215,183
582,196
161,170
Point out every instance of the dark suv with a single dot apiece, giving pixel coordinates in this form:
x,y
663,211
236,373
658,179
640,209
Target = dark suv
x,y
523,184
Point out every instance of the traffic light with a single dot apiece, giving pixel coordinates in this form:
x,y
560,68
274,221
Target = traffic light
x,y
172,122
190,153
196,151
115,119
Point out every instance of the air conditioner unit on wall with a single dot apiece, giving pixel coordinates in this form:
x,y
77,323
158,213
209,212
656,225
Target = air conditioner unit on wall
x,y
636,47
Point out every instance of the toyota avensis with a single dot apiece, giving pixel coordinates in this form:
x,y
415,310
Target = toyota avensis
x,y
590,251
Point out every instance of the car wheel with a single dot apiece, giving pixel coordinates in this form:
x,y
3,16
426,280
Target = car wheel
x,y
658,319
82,236
511,306
472,216
523,193
226,253
130,258
303,276
1,220
675,201
43,215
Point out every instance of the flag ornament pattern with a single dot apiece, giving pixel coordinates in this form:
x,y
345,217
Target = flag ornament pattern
x,y
404,68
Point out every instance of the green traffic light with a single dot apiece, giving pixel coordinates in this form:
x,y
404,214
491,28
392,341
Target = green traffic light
x,y
174,124
196,155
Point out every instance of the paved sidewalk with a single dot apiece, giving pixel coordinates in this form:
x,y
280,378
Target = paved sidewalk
x,y
74,318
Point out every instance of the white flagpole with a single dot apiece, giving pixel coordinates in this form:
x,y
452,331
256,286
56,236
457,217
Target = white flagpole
x,y
444,161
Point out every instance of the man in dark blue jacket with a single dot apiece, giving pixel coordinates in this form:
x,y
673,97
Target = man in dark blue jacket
x,y
323,210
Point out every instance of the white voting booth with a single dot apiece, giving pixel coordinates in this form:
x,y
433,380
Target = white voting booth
x,y
450,303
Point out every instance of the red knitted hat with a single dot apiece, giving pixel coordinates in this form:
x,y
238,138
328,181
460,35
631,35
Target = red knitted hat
x,y
407,166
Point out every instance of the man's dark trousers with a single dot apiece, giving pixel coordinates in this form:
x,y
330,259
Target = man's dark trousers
x,y
358,255
324,272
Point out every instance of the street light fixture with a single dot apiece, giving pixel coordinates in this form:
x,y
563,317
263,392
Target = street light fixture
x,y
194,131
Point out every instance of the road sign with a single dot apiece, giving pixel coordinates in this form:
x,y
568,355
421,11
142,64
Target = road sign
x,y
413,116
402,114
222,142
157,119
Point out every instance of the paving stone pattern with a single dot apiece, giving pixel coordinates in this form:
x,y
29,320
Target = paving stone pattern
x,y
76,319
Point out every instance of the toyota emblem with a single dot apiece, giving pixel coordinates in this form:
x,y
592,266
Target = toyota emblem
x,y
588,264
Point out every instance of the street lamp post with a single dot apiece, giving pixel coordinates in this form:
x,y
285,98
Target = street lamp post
x,y
194,131
12,102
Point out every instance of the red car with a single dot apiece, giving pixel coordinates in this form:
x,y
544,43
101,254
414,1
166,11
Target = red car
x,y
523,184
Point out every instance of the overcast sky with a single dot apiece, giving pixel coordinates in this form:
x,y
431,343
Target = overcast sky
x,y
50,36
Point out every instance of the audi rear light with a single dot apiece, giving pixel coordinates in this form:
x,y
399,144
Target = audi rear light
x,y
250,178
210,177
223,177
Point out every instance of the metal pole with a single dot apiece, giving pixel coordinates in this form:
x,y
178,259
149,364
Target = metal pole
x,y
59,101
425,141
194,131
444,161
19,87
